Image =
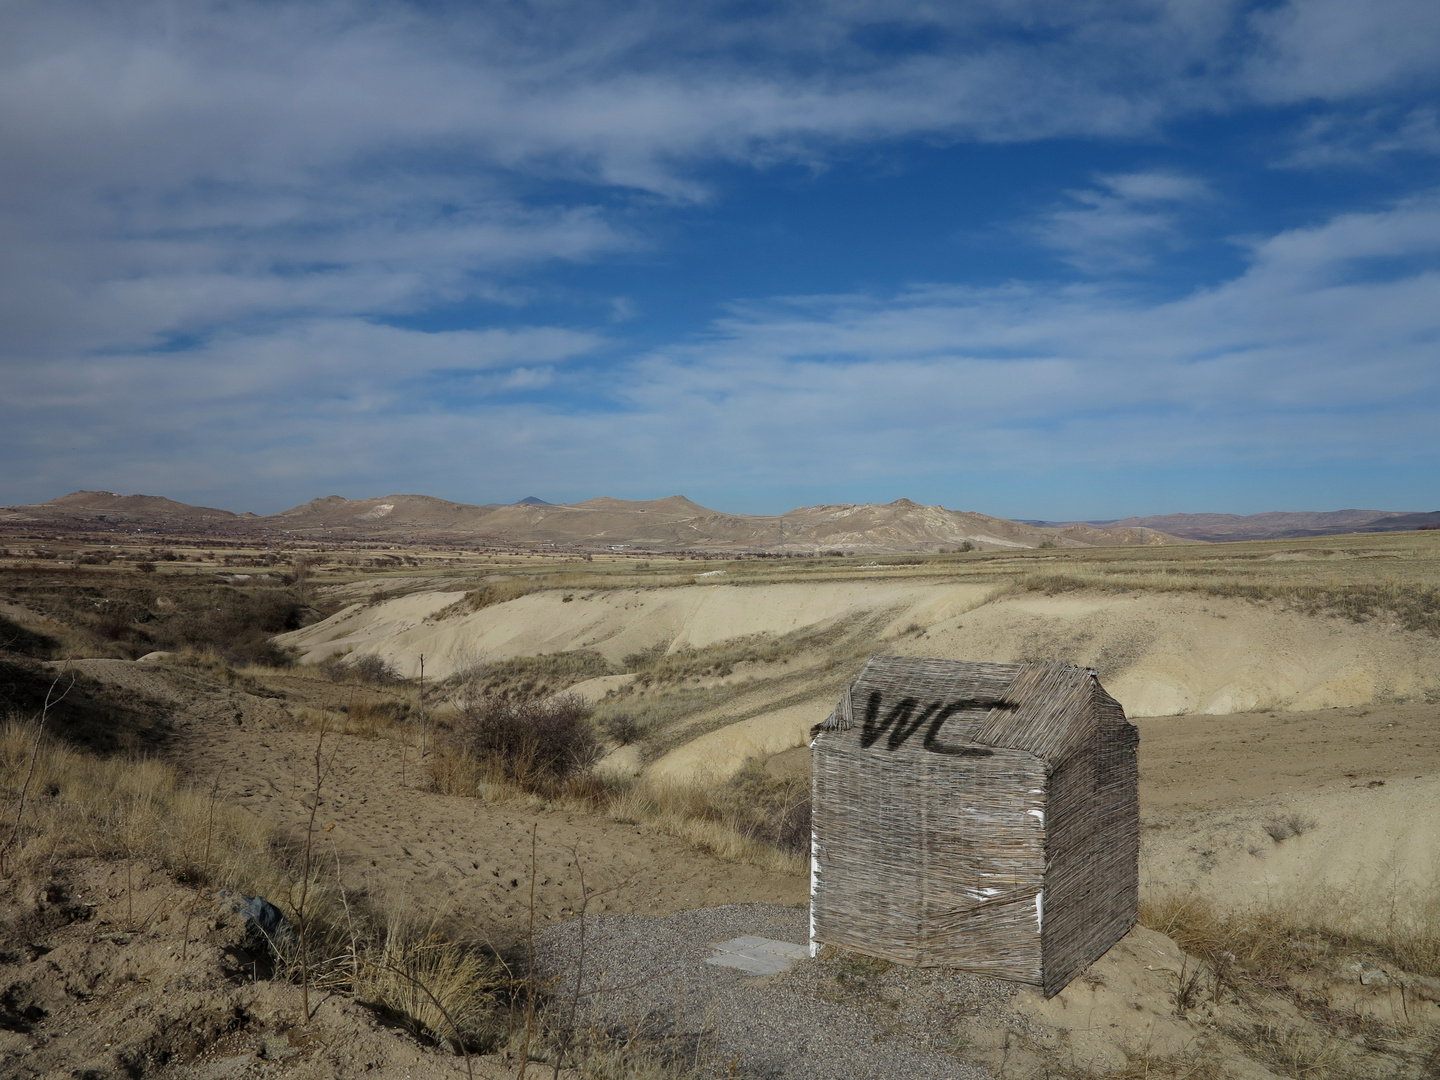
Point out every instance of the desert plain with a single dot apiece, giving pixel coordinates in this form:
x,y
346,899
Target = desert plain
x,y
250,719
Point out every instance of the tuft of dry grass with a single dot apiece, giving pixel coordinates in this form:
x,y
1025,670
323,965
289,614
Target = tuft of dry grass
x,y
81,805
751,818
447,990
1271,942
1281,829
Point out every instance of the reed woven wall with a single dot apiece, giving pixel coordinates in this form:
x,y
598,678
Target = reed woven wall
x,y
944,789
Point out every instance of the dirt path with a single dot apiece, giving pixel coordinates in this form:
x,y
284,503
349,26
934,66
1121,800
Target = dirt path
x,y
448,856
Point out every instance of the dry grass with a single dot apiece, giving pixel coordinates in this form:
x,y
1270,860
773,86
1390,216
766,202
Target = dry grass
x,y
447,990
1413,605
526,676
140,810
770,829
1271,942
81,805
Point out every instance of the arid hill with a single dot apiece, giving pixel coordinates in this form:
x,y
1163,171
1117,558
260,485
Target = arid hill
x,y
670,524
107,511
1275,525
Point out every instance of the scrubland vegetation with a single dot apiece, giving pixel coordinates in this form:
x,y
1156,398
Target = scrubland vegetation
x,y
546,750
506,733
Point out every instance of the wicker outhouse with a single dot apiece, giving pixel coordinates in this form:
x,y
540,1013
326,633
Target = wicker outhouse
x,y
976,816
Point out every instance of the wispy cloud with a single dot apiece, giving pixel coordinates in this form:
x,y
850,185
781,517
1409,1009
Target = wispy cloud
x,y
1122,222
212,212
1297,360
1364,140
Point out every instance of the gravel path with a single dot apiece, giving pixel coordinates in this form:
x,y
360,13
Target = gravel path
x,y
648,973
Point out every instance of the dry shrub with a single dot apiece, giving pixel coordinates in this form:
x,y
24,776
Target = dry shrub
x,y
536,745
445,989
369,670
374,670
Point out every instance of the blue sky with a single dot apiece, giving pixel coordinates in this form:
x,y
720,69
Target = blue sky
x,y
1036,259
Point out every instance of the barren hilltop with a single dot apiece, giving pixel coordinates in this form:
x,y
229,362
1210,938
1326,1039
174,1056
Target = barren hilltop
x,y
1273,525
670,524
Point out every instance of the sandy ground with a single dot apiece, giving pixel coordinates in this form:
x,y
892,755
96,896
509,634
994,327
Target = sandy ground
x,y
460,859
613,623
1333,813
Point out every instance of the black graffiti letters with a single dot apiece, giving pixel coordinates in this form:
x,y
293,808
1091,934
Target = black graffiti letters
x,y
932,737
901,721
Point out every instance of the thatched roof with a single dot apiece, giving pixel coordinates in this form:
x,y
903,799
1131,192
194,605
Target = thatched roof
x,y
1043,709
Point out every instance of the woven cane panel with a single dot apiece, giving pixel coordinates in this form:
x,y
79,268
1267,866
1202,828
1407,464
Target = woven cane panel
x,y
942,788
1092,884
984,864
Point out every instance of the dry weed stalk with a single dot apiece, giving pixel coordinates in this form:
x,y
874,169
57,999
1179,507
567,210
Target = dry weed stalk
x,y
50,701
302,913
530,960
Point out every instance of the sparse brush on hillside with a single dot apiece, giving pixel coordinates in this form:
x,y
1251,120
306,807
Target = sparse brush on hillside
x,y
489,594
1271,942
110,618
1413,606
657,666
526,676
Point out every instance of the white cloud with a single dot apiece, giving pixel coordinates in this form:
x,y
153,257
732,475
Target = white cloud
x,y
1364,140
1335,49
173,167
209,209
1120,223
1305,358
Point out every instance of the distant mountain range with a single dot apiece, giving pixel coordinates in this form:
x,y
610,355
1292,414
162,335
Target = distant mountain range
x,y
1274,525
672,524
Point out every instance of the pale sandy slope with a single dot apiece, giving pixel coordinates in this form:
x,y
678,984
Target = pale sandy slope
x,y
614,623
1160,654
1362,786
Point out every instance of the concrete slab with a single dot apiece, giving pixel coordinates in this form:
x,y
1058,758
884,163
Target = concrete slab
x,y
757,955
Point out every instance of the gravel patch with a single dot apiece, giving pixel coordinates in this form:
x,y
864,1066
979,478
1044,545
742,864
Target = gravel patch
x,y
823,1019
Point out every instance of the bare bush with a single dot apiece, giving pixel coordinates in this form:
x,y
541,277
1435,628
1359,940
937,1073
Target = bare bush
x,y
375,670
537,744
622,728
1283,828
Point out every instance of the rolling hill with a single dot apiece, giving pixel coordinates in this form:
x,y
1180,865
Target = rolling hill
x,y
670,524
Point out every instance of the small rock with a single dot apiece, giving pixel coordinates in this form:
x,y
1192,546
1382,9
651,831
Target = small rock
x,y
1423,986
1369,974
